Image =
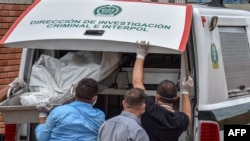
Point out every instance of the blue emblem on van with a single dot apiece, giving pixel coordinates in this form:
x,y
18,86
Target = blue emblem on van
x,y
107,10
214,56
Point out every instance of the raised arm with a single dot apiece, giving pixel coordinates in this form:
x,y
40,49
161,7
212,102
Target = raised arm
x,y
141,53
186,105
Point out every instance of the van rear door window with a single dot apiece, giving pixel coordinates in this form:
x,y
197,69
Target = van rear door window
x,y
236,58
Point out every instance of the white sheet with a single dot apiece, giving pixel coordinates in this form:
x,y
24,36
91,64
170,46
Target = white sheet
x,y
51,79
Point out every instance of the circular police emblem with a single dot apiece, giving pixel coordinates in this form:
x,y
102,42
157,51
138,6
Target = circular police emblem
x,y
107,10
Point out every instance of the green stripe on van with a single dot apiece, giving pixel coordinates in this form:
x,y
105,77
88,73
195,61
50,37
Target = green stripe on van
x,y
239,114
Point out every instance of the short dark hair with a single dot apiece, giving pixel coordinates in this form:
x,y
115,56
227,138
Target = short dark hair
x,y
86,89
167,91
135,97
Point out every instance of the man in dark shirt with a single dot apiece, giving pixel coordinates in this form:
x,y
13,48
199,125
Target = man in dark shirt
x,y
160,120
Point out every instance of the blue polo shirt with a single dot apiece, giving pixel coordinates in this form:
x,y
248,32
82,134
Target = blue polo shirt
x,y
77,121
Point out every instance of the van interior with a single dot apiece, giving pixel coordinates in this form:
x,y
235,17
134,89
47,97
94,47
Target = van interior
x,y
109,99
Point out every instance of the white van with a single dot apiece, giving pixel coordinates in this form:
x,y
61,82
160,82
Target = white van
x,y
64,40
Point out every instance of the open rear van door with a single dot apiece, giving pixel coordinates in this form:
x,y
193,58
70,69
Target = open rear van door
x,y
100,25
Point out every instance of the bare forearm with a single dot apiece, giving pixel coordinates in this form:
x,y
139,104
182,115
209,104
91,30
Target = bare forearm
x,y
138,73
186,106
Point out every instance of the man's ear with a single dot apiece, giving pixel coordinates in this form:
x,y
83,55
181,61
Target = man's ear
x,y
157,97
176,99
143,106
123,103
94,98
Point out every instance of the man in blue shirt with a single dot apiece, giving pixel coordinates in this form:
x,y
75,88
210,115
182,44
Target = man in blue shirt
x,y
76,121
126,126
160,120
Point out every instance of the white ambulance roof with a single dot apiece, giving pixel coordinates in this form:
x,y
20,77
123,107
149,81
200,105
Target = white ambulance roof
x,y
100,25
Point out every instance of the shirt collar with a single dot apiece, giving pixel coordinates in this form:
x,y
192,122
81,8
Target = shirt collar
x,y
130,115
75,103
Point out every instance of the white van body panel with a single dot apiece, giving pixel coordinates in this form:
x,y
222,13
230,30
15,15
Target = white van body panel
x,y
215,77
212,85
207,75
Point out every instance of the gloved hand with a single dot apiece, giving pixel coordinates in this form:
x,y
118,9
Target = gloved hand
x,y
187,85
17,85
44,108
142,49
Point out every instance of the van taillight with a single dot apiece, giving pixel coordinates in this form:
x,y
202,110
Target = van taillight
x,y
10,132
209,132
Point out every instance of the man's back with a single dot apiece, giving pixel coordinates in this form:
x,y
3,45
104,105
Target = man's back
x,y
124,127
161,124
75,121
